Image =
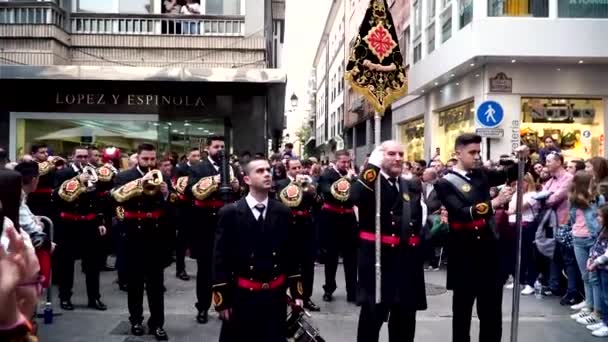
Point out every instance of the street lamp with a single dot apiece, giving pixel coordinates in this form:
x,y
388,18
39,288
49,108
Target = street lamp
x,y
294,100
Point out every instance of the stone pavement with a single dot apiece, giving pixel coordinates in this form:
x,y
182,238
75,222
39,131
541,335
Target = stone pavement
x,y
541,320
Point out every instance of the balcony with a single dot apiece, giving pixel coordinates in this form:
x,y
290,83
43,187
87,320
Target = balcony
x,y
157,24
31,13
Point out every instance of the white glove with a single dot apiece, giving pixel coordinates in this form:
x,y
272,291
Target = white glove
x,y
376,157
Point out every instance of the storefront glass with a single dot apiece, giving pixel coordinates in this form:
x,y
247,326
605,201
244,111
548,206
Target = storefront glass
x,y
65,133
577,125
411,135
452,122
582,9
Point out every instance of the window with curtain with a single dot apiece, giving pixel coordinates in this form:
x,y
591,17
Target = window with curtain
x,y
465,8
518,8
223,7
582,9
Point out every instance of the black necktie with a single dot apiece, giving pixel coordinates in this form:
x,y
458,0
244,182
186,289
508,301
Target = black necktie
x,y
260,207
393,182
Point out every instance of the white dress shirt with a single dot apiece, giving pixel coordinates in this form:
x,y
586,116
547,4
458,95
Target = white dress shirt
x,y
252,202
387,177
217,167
461,172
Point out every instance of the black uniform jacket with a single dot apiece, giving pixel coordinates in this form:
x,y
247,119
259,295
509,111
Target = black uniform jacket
x,y
402,260
39,201
73,199
130,199
339,197
473,238
245,250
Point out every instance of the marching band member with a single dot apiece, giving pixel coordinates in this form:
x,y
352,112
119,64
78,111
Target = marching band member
x,y
298,193
338,226
39,200
141,195
255,262
403,290
203,190
80,226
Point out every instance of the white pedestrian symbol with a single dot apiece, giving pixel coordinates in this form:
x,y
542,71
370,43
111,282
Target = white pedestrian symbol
x,y
490,114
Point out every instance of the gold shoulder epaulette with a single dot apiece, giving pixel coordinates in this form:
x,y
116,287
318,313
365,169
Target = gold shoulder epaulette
x,y
181,184
104,174
126,192
204,187
291,195
340,189
71,189
44,168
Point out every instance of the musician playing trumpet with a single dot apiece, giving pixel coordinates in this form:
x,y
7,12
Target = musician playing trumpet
x,y
79,228
140,194
299,194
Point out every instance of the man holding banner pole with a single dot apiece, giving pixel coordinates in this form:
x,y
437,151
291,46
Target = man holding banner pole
x,y
473,270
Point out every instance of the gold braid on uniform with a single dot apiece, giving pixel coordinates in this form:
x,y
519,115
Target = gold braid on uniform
x,y
204,187
71,189
296,286
104,174
291,195
340,189
132,189
44,168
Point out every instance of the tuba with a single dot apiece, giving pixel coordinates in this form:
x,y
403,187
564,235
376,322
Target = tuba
x,y
92,173
152,186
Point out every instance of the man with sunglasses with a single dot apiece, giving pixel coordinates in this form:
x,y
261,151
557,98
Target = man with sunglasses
x,y
141,208
80,226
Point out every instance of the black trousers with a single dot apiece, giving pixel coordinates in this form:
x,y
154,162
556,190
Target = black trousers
x,y
181,245
144,268
340,238
401,323
489,311
307,252
69,249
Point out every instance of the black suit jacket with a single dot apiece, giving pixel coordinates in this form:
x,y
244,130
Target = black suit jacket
x,y
246,250
10,196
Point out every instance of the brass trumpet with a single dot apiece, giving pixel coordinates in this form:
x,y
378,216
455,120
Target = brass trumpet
x,y
303,180
92,173
152,186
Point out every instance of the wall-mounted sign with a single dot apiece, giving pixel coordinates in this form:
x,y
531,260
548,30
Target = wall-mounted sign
x,y
501,83
492,133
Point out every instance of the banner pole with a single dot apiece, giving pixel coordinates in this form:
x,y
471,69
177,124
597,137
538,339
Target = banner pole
x,y
377,122
516,288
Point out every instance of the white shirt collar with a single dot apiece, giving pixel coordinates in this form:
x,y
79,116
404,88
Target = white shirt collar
x,y
290,178
140,171
461,172
385,175
215,165
252,202
188,163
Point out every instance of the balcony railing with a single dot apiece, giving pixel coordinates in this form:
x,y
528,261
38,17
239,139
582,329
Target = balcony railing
x,y
31,13
158,24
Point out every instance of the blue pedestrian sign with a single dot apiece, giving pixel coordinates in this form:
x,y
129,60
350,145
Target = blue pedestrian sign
x,y
490,114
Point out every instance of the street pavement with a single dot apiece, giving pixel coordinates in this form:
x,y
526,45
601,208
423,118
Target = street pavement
x,y
541,320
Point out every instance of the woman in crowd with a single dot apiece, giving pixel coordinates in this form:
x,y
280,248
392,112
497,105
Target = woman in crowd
x,y
598,262
584,202
599,167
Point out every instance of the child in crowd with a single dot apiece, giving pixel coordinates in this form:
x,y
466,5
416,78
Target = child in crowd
x,y
598,262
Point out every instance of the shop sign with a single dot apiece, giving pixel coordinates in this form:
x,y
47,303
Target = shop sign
x,y
515,134
501,83
492,133
128,99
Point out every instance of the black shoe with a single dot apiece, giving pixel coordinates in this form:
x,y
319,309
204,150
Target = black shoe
x,y
160,334
328,297
66,305
202,317
98,305
107,268
123,287
311,306
183,276
137,329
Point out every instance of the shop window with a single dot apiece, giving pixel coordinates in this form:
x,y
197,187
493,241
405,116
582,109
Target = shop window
x,y
451,123
411,135
516,8
63,134
465,9
582,9
577,125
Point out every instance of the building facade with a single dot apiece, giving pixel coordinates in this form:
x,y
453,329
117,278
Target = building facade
x,y
527,56
119,72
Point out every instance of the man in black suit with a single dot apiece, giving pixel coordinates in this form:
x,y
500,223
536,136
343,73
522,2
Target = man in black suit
x,y
298,193
39,200
141,207
80,227
474,267
10,183
192,159
255,262
203,194
337,226
403,289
